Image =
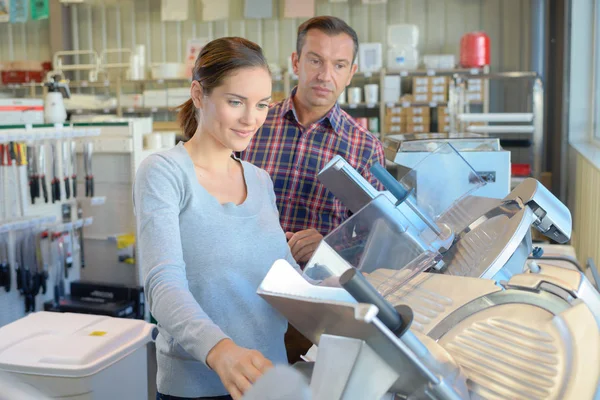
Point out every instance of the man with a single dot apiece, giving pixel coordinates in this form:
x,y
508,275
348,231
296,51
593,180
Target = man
x,y
304,132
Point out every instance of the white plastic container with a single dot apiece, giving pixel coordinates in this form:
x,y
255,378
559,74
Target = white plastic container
x,y
402,57
403,35
370,57
78,356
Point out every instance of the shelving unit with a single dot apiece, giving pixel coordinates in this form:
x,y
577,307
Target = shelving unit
x,y
283,84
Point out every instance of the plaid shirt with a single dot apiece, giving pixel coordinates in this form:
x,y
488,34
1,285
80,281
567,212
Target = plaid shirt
x,y
293,155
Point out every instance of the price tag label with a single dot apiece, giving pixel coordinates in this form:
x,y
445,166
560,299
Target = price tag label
x,y
130,110
405,104
474,71
353,105
154,109
84,83
404,73
430,72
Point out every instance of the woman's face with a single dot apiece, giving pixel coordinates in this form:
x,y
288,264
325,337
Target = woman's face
x,y
233,112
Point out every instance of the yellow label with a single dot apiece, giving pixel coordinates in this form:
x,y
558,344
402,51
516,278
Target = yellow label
x,y
98,333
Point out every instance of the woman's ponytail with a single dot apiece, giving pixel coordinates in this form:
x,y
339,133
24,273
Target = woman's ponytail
x,y
187,118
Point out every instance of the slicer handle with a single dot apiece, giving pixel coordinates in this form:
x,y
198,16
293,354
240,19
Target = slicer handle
x,y
389,182
360,288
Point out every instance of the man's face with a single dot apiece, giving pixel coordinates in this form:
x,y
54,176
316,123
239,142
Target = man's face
x,y
324,67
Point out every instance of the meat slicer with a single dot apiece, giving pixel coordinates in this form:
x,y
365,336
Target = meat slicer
x,y
427,292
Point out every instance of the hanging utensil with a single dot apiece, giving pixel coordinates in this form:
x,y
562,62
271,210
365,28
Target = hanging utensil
x,y
55,174
66,160
74,168
42,170
4,264
89,176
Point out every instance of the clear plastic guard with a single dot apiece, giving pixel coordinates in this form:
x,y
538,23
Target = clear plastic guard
x,y
442,179
463,144
377,241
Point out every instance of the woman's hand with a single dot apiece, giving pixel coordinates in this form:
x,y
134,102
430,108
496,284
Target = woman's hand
x,y
238,368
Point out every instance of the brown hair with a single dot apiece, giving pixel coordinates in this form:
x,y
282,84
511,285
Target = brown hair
x,y
217,60
330,26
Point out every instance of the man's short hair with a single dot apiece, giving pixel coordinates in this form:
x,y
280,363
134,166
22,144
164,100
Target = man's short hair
x,y
330,26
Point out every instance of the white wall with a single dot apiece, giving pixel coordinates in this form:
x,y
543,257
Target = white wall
x,y
126,23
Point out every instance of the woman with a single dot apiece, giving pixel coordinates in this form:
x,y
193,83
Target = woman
x,y
208,232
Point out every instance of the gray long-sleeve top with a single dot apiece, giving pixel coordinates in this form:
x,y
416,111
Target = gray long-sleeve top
x,y
202,262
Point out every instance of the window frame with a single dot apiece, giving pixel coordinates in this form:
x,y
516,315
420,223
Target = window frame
x,y
595,106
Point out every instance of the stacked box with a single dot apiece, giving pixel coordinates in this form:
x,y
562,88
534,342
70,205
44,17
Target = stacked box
x,y
430,89
474,90
443,118
418,119
394,122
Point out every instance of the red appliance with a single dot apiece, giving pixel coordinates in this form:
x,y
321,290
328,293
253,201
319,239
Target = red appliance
x,y
474,50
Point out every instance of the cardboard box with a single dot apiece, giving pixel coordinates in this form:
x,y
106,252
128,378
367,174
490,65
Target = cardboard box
x,y
443,119
420,81
417,119
439,89
394,110
420,89
438,98
394,119
417,128
392,129
421,98
410,111
442,111
439,81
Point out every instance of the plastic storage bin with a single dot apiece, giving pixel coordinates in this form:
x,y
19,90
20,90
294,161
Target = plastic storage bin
x,y
78,356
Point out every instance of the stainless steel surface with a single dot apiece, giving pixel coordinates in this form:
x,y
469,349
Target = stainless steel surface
x,y
553,217
415,366
522,351
432,297
484,247
347,184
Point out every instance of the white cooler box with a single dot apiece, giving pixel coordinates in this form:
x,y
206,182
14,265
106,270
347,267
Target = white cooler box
x,y
78,356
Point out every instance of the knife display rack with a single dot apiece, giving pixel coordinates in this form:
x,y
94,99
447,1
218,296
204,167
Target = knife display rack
x,y
28,210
